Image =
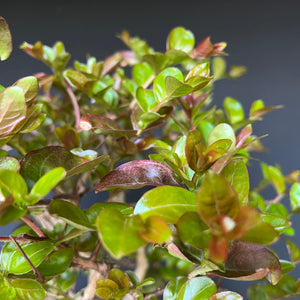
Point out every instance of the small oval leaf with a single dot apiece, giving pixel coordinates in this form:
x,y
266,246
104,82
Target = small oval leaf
x,y
170,208
136,174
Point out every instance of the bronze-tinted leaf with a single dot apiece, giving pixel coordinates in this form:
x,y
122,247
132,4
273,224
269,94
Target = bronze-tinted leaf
x,y
38,162
12,109
248,261
216,197
138,173
104,125
5,40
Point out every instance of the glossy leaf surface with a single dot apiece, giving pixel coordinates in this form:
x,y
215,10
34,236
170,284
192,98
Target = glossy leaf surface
x,y
236,174
28,289
70,213
170,208
138,173
216,197
181,39
14,262
119,233
5,40
197,288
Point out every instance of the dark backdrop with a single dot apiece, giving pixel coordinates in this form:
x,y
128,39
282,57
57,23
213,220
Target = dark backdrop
x,y
262,35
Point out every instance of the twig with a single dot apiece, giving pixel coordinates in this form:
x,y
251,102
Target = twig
x,y
23,238
154,294
88,264
37,274
95,252
75,106
34,227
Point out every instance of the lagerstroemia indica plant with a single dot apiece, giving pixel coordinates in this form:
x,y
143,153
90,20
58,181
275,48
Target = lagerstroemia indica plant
x,y
138,118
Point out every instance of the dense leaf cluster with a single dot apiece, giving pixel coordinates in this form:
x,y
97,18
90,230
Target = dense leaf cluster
x,y
138,118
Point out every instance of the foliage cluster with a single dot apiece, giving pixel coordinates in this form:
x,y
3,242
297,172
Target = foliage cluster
x,y
138,118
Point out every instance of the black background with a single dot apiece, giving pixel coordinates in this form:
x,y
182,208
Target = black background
x,y
262,35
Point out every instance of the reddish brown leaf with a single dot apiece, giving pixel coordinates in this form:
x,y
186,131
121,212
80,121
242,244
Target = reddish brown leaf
x,y
248,261
205,49
104,125
218,248
138,173
243,136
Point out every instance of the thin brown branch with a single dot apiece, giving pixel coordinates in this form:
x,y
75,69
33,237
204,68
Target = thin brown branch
x,y
23,238
34,227
95,252
154,294
89,264
37,274
75,106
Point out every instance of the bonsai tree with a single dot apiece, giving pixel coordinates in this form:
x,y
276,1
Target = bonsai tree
x,y
138,118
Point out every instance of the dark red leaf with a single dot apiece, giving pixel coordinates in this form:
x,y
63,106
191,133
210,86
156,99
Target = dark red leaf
x,y
135,174
248,261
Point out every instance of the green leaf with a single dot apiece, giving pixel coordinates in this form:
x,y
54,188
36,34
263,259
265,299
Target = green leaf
x,y
197,288
57,262
175,88
181,39
28,289
257,291
286,266
30,87
120,278
173,287
279,223
78,79
138,173
66,279
170,208
8,293
263,233
274,175
216,197
10,214
34,117
234,110
193,140
192,230
14,262
218,67
70,213
47,182
13,183
220,132
146,99
236,174
5,40
227,295
295,197
93,212
200,70
159,84
141,73
156,230
119,233
9,163
12,109
158,61
294,252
